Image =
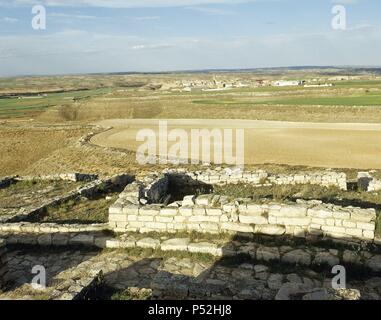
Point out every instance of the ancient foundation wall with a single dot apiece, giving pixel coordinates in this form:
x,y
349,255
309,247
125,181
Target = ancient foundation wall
x,y
260,177
216,214
152,189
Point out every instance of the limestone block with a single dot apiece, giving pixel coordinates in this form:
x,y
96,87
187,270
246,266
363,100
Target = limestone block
x,y
180,244
229,207
156,225
116,209
364,215
319,213
164,219
252,219
205,247
349,224
341,215
293,211
131,218
213,211
180,219
186,211
294,221
334,229
189,201
199,211
354,232
148,243
147,219
368,235
149,210
204,219
135,224
255,209
204,200
131,209
366,226
299,232
237,227
179,226
169,211
273,230
194,227
318,221
112,244
209,226
339,222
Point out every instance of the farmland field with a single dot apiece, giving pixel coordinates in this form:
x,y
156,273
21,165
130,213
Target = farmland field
x,y
42,117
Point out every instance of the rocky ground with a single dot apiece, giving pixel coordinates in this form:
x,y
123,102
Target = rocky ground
x,y
176,276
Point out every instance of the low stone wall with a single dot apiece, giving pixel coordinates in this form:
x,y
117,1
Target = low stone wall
x,y
75,177
374,185
52,234
42,228
3,266
216,214
260,177
366,182
298,255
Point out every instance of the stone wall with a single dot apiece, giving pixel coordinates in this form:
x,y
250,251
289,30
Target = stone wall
x,y
152,189
53,234
226,176
75,177
366,182
216,214
3,267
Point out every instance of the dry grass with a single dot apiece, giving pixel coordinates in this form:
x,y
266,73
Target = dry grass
x,y
78,211
23,146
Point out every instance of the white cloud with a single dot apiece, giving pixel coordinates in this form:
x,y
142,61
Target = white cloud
x,y
70,16
10,20
152,46
76,51
119,3
146,18
211,11
345,1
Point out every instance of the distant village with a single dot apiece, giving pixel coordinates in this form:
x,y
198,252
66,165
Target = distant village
x,y
222,84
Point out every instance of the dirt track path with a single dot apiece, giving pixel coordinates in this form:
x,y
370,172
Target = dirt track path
x,y
335,145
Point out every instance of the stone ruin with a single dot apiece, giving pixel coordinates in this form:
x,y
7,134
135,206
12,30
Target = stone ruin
x,y
164,211
144,207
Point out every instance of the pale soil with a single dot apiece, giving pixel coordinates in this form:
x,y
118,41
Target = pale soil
x,y
335,145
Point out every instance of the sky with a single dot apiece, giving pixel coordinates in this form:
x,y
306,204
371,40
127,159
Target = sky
x,y
93,36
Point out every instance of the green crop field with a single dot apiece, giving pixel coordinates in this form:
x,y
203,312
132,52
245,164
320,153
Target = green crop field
x,y
33,105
